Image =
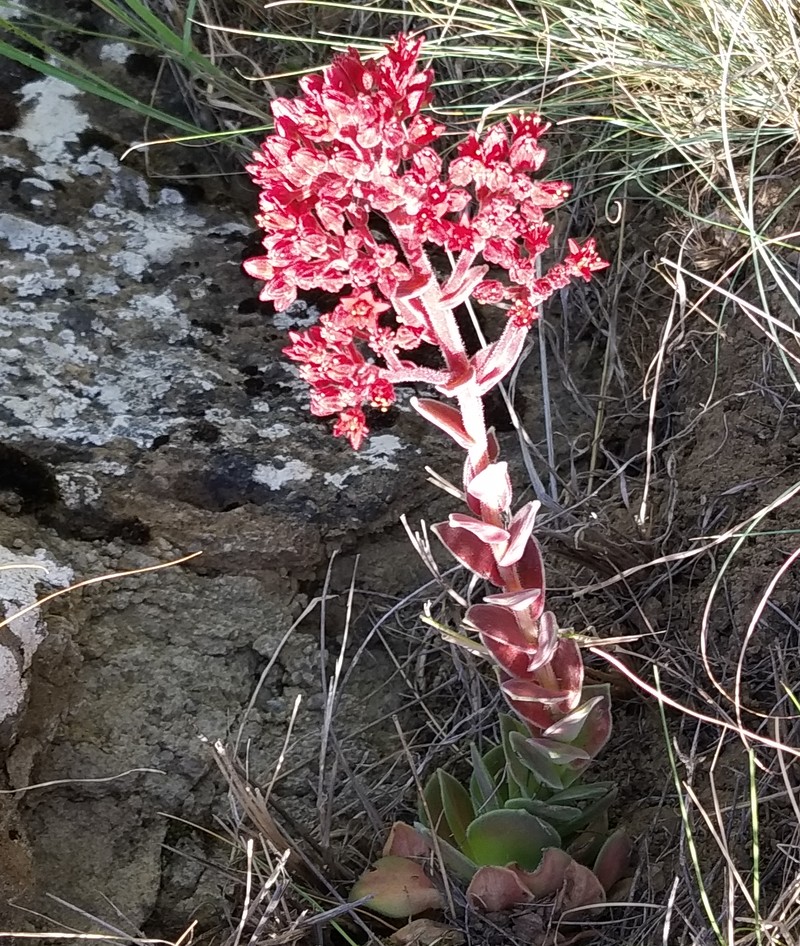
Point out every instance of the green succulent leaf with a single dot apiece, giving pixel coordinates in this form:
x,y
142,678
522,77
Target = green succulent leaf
x,y
597,808
528,755
577,793
458,809
503,837
562,817
455,862
431,808
519,774
483,788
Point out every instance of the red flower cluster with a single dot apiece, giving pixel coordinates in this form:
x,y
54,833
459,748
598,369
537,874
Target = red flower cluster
x,y
356,146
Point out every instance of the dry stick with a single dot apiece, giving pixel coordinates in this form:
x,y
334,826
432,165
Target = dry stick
x,y
330,690
90,581
424,803
678,302
757,613
600,413
692,553
668,701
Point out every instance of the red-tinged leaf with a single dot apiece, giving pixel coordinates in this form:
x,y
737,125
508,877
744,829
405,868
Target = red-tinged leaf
x,y
567,664
596,729
492,488
581,889
535,761
469,550
398,887
444,417
548,878
404,841
520,532
529,691
499,838
414,287
497,889
537,716
516,600
457,290
495,361
530,569
569,727
613,860
485,531
501,635
559,753
493,450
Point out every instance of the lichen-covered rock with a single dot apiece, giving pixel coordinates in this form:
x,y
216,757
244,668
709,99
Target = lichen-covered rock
x,y
147,413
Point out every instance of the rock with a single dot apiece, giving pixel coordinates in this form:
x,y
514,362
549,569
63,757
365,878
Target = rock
x,y
145,417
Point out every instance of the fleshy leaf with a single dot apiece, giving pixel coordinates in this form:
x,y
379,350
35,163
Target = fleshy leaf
x,y
561,817
482,786
444,417
485,531
519,775
598,807
501,634
500,837
497,889
581,889
432,811
404,841
560,753
492,487
536,761
596,730
587,845
469,550
456,862
568,728
458,809
516,600
613,859
530,568
577,793
493,363
520,531
548,878
457,291
398,886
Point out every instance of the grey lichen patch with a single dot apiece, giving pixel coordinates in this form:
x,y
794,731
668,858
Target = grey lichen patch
x,y
282,472
51,122
23,631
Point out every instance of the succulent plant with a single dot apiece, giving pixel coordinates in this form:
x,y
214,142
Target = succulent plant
x,y
523,829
